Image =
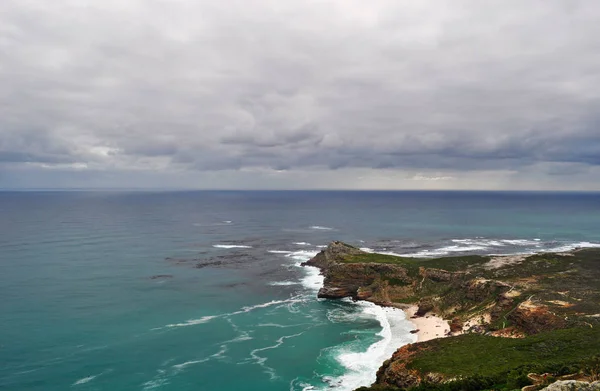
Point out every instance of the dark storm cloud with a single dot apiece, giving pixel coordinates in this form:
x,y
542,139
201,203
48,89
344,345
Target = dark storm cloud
x,y
188,85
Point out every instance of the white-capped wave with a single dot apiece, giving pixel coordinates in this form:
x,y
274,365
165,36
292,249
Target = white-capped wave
x,y
279,251
361,366
269,304
188,363
302,255
205,319
319,227
193,322
231,246
445,251
573,246
283,283
480,242
521,242
313,278
367,249
302,243
84,380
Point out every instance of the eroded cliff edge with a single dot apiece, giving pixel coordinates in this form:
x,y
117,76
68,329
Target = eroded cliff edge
x,y
549,303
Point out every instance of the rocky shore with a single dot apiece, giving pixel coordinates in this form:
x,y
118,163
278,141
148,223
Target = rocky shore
x,y
486,305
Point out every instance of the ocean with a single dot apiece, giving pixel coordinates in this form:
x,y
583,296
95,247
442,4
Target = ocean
x,y
202,290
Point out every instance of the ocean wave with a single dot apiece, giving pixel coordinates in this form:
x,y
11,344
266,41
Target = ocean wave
x,y
322,228
313,278
279,251
573,246
302,255
84,380
480,242
361,366
193,322
283,283
521,242
268,304
181,366
231,246
205,319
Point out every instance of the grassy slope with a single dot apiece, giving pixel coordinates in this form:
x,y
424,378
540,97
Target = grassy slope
x,y
491,356
482,362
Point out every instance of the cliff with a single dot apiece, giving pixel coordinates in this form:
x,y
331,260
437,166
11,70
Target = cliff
x,y
550,301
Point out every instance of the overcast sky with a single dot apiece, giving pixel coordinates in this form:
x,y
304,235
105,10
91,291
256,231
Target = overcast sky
x,y
286,94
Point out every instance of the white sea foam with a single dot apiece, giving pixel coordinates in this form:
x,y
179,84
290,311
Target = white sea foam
x,y
279,251
193,322
521,242
319,227
268,304
188,363
231,246
84,380
205,319
313,279
573,246
302,243
283,283
367,249
445,251
361,367
261,360
480,242
302,255
390,253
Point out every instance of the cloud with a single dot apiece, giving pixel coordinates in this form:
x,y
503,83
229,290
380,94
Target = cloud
x,y
194,87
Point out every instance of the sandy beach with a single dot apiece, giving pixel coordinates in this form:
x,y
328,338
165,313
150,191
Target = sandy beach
x,y
429,326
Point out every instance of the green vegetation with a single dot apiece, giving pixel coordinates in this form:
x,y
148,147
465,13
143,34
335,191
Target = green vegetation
x,y
489,356
480,362
413,264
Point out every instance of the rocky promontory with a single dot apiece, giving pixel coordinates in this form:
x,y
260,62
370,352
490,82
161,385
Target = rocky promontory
x,y
534,314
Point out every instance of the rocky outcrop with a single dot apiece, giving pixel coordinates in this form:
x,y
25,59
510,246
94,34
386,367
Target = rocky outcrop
x,y
334,253
533,319
394,372
361,281
479,289
573,385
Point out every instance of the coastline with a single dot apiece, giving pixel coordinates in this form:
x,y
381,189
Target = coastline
x,y
428,326
478,292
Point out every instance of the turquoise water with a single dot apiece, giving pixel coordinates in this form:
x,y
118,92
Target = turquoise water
x,y
202,290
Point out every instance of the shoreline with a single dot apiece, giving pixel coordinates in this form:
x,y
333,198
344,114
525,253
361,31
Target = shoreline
x,y
429,326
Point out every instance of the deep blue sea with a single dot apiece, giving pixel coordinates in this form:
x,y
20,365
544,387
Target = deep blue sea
x,y
177,291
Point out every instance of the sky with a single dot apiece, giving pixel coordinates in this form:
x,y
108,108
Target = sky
x,y
300,94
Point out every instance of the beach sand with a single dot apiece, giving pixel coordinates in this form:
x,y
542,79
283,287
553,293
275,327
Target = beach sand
x,y
429,326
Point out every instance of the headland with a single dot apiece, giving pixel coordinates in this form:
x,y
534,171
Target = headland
x,y
483,322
